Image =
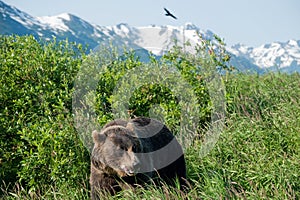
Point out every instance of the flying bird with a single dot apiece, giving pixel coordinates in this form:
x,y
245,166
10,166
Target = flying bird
x,y
168,13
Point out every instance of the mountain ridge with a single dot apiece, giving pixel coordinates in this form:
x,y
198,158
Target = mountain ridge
x,y
284,56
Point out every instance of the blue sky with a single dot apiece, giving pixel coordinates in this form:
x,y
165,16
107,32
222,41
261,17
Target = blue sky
x,y
250,22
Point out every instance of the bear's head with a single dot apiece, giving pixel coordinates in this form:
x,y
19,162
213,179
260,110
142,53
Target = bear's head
x,y
114,151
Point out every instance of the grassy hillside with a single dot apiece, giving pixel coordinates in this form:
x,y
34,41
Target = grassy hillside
x,y
256,157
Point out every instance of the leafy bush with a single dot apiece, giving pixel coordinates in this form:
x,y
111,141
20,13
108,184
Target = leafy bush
x,y
36,81
52,154
152,86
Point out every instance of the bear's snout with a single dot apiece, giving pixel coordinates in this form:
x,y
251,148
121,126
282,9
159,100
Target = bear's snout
x,y
128,170
132,168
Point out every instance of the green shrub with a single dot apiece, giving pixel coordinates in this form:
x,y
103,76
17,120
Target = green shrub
x,y
158,93
36,81
52,154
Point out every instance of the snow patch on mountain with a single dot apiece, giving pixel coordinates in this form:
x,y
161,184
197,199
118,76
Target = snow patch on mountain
x,y
56,22
17,15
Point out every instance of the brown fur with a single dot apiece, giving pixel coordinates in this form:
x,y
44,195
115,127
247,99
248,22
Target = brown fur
x,y
116,158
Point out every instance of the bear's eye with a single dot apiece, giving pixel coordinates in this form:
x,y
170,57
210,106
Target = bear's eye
x,y
123,148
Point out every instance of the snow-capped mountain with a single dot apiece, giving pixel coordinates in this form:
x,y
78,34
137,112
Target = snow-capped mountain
x,y
278,55
157,39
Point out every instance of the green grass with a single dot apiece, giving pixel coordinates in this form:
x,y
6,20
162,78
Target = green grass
x,y
256,157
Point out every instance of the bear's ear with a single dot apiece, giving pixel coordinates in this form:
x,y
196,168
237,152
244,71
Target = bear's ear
x,y
97,137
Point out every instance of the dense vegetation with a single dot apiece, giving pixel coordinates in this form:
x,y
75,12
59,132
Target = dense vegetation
x,y
36,126
42,155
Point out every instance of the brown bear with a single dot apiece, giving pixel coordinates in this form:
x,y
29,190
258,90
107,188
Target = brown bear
x,y
135,152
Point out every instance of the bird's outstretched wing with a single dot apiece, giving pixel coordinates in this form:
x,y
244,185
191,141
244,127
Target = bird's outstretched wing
x,y
168,13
